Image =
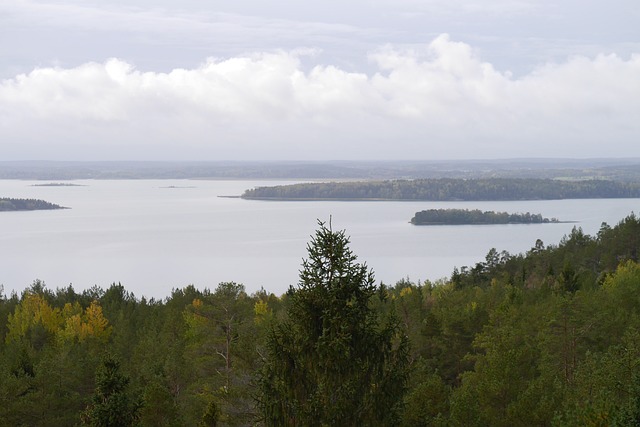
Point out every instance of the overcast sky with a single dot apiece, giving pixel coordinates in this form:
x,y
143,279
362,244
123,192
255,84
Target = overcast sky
x,y
289,79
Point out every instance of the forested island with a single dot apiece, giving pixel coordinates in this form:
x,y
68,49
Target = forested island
x,y
448,189
476,216
548,337
8,204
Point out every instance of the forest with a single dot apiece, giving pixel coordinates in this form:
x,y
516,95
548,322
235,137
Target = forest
x,y
548,337
9,204
475,216
621,169
450,189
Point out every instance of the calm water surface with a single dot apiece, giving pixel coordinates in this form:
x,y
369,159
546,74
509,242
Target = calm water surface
x,y
153,238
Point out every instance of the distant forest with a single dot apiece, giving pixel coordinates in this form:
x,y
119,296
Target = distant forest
x,y
623,169
549,337
476,216
8,204
447,189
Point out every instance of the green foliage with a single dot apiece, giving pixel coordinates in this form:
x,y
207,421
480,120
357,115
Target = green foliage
x,y
476,216
333,362
111,406
427,403
159,407
221,342
547,337
212,415
449,189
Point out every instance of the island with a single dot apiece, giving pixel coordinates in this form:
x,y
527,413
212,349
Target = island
x,y
475,217
58,184
449,189
8,204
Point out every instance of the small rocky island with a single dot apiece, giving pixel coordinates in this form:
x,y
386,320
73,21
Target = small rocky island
x,y
475,217
8,204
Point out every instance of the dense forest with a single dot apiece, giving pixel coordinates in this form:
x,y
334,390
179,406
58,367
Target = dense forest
x,y
8,204
475,216
546,337
447,189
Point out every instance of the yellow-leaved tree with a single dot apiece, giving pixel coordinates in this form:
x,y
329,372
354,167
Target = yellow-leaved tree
x,y
35,321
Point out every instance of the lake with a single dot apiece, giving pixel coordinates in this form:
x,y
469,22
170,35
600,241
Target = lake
x,y
156,235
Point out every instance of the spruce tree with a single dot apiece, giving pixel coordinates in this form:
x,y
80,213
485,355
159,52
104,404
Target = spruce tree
x,y
111,406
333,361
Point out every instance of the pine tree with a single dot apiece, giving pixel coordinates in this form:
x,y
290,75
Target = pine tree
x,y
333,362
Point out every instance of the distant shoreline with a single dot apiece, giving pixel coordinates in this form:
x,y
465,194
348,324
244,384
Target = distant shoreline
x,y
616,169
449,189
436,224
345,199
328,199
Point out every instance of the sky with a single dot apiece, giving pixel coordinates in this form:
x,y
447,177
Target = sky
x,y
294,80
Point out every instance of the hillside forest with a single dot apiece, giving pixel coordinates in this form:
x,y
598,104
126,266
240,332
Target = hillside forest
x,y
549,337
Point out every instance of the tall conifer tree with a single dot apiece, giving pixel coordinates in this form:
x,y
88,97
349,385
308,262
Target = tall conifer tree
x,y
333,361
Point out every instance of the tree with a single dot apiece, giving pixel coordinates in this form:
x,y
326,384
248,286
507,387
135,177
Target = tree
x,y
111,406
221,347
159,408
333,361
211,415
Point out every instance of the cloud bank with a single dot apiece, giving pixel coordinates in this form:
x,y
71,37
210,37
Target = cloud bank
x,y
438,101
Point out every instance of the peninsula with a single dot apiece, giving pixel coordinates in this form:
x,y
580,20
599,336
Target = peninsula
x,y
447,189
8,204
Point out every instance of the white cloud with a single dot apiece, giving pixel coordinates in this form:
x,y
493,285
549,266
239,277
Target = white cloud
x,y
438,101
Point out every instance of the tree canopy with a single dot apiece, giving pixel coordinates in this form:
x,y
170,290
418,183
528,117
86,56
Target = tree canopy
x,y
546,337
333,361
475,216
